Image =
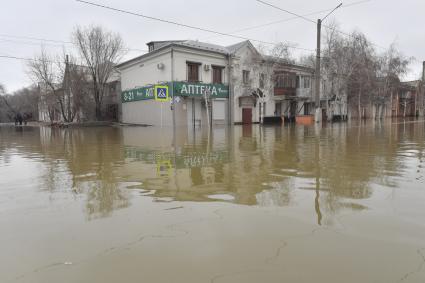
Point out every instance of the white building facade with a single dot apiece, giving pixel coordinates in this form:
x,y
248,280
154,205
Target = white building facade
x,y
212,84
191,71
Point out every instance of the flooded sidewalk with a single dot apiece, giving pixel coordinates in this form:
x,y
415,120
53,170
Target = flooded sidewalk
x,y
338,203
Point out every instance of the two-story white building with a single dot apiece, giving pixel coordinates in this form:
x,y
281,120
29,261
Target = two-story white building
x,y
191,70
233,84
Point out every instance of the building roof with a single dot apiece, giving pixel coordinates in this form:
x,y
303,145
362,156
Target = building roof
x,y
287,63
163,41
201,45
411,83
182,43
205,46
235,47
198,45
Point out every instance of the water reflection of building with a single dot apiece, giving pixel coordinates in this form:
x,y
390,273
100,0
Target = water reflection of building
x,y
335,166
262,165
195,160
232,161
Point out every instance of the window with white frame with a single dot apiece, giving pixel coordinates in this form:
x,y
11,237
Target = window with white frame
x,y
245,76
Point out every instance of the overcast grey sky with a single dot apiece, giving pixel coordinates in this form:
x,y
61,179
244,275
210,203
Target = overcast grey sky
x,y
383,21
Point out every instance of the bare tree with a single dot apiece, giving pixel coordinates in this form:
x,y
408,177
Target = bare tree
x,y
44,70
23,101
349,67
273,61
6,110
392,66
61,82
353,68
80,88
337,67
75,87
307,60
100,50
362,81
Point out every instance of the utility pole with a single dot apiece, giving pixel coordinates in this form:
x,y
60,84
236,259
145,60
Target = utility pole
x,y
318,112
67,90
422,93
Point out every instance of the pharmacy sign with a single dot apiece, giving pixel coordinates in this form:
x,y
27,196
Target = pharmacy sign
x,y
183,89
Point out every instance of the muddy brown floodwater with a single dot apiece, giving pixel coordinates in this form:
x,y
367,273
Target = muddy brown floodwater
x,y
340,203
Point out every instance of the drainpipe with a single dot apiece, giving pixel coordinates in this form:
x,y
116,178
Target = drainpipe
x,y
174,118
172,95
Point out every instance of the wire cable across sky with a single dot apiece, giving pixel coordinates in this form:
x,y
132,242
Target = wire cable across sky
x,y
310,20
186,25
294,18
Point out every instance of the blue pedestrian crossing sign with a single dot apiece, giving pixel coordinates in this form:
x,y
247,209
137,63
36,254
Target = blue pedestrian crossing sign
x,y
161,93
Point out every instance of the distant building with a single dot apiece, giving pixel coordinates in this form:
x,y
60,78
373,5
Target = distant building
x,y
408,102
233,84
333,99
75,91
48,109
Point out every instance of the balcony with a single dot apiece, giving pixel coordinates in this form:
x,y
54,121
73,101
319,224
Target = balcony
x,y
304,92
284,91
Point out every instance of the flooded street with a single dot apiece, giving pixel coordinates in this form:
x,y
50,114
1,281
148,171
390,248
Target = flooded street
x,y
341,203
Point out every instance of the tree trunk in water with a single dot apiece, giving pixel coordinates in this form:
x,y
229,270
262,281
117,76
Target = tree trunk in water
x,y
360,106
397,106
63,111
98,103
98,112
51,114
416,96
404,110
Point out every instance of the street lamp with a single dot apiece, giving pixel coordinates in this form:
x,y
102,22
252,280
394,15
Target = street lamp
x,y
318,113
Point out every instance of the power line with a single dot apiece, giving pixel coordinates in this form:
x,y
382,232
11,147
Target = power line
x,y
296,17
28,43
17,58
183,25
26,59
286,11
36,38
310,20
48,40
30,59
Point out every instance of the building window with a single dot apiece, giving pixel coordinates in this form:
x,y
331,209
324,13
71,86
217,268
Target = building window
x,y
193,72
306,82
306,108
217,75
286,80
150,47
245,76
262,78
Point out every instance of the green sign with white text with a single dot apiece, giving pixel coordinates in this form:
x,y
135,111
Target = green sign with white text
x,y
180,89
137,94
199,89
